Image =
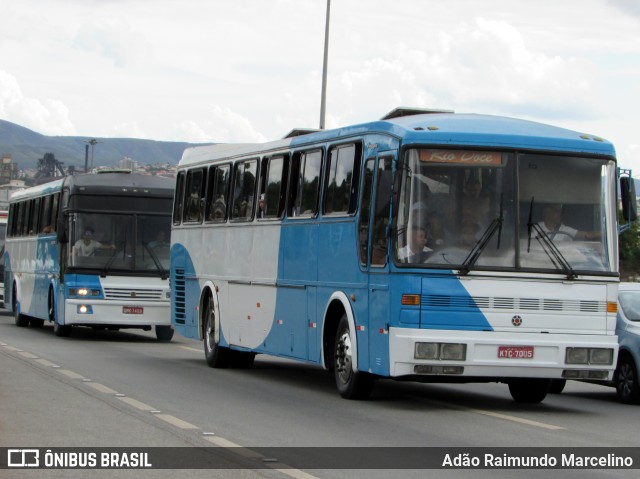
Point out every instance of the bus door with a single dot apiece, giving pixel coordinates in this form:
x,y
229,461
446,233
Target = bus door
x,y
374,255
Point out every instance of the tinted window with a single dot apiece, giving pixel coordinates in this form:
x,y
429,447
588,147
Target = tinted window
x,y
342,175
245,175
218,193
306,183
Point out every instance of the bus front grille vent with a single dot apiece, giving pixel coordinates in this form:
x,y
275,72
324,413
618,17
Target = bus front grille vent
x,y
439,301
134,294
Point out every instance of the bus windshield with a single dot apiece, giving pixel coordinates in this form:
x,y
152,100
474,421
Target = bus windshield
x,y
496,210
120,243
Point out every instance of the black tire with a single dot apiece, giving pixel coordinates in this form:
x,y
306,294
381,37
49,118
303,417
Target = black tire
x,y
529,391
216,355
20,319
350,384
36,323
627,385
242,359
164,333
557,386
59,330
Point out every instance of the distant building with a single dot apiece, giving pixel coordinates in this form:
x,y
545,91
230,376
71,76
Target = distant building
x,y
6,190
128,163
8,169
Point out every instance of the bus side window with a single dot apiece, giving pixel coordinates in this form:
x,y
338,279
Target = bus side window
x,y
245,176
379,239
193,207
179,199
273,181
305,183
342,180
217,193
365,210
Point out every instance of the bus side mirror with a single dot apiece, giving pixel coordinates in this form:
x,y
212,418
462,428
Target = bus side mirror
x,y
628,195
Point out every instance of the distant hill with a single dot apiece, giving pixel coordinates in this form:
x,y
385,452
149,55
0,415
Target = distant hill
x,y
26,147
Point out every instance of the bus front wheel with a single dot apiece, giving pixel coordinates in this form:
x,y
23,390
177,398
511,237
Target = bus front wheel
x,y
59,330
216,355
164,333
531,391
350,384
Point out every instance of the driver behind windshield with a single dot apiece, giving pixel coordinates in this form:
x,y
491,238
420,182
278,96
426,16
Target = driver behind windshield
x,y
87,246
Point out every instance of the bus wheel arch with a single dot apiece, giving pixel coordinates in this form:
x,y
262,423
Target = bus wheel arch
x,y
340,349
217,356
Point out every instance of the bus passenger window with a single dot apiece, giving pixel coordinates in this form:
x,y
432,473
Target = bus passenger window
x,y
270,201
217,193
179,199
342,177
244,190
193,204
306,184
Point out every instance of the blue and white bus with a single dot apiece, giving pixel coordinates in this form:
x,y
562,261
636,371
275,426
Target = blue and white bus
x,y
431,246
88,250
3,234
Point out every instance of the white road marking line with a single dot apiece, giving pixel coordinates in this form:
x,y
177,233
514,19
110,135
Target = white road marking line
x,y
102,388
520,420
136,404
44,362
71,374
191,349
174,421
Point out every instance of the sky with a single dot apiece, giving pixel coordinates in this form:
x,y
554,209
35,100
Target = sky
x,y
251,70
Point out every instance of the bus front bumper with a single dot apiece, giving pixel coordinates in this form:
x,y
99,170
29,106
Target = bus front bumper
x,y
492,354
133,313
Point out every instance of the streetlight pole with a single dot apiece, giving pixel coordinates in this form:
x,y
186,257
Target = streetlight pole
x,y
323,98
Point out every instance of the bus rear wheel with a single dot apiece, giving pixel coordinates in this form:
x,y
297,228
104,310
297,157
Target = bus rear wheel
x,y
350,384
530,391
20,320
216,355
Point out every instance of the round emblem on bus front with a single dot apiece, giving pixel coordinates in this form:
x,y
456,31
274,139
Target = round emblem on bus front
x,y
516,320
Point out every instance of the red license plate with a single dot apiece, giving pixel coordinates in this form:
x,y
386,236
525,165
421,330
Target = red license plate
x,y
132,310
515,352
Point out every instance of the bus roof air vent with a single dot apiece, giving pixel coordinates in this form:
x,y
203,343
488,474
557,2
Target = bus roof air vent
x,y
406,111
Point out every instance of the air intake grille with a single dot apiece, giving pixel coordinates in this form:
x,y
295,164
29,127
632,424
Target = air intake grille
x,y
179,312
502,303
137,294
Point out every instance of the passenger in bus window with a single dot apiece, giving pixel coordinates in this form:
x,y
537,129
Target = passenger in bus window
x,y
416,250
556,230
262,206
87,246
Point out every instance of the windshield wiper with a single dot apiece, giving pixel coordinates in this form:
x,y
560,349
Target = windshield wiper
x,y
549,247
112,258
163,272
481,244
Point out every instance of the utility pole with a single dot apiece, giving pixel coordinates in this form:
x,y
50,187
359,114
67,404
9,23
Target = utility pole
x,y
323,98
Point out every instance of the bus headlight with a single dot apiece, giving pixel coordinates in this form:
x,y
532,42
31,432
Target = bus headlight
x,y
453,352
443,351
600,356
426,351
85,309
83,291
589,356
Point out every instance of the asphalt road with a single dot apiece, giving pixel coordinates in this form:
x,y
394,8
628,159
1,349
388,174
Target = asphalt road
x,y
108,389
